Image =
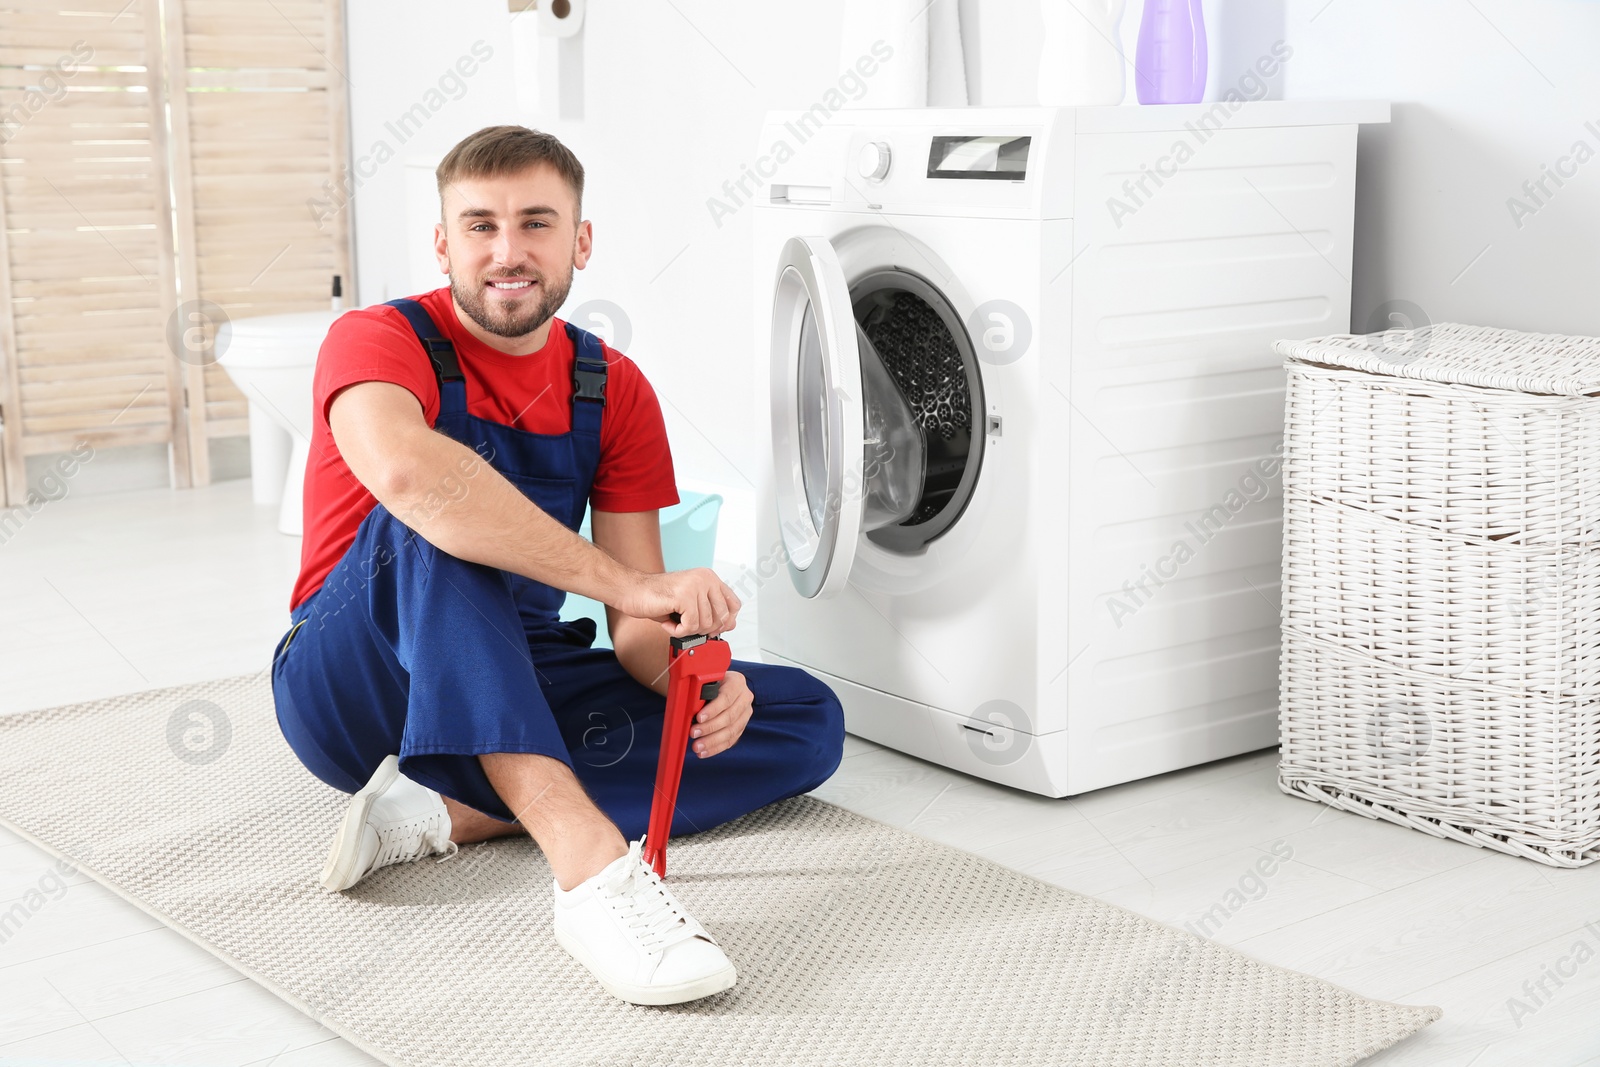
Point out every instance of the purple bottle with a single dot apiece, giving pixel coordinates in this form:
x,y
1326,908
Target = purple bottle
x,y
1171,64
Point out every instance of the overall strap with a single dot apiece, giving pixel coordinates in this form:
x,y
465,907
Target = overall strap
x,y
441,353
588,381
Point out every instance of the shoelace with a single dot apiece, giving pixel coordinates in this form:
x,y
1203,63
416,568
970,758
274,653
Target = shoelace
x,y
648,908
405,842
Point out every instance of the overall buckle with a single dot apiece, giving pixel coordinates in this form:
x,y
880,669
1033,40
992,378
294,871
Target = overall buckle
x,y
443,356
587,383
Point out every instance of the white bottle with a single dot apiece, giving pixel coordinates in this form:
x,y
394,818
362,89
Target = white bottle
x,y
1081,63
898,28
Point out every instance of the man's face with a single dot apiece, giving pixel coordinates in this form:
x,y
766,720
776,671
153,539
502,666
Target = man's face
x,y
509,245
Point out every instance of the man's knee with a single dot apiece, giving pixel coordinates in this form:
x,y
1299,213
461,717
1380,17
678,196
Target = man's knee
x,y
822,724
385,553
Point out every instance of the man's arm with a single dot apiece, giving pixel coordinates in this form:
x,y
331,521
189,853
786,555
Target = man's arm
x,y
461,505
633,538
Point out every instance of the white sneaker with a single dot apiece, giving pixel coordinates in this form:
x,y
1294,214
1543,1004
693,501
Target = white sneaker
x,y
391,820
628,929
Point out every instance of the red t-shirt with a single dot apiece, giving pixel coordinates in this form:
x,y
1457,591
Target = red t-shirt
x,y
531,392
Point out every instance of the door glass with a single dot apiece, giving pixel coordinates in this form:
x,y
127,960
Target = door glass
x,y
892,464
812,400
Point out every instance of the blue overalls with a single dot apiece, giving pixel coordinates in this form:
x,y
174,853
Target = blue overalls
x,y
407,649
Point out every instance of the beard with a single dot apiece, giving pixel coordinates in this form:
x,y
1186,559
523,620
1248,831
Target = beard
x,y
511,318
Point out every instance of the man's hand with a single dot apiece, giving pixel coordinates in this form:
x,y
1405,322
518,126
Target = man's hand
x,y
703,602
721,722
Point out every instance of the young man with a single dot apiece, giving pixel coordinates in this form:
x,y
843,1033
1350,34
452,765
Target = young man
x,y
459,436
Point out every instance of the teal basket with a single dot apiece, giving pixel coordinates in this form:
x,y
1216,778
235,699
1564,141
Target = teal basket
x,y
688,539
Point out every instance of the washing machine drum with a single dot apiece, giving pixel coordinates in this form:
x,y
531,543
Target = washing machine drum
x,y
914,344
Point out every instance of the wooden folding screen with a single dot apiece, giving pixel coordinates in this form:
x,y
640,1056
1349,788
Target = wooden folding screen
x,y
107,298
86,265
259,101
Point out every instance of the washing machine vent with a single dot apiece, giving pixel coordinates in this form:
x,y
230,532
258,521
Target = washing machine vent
x,y
920,354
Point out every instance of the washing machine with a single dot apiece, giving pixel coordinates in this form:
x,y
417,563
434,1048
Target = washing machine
x,y
1015,369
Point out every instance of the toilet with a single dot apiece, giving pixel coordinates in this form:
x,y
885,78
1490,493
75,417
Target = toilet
x,y
271,358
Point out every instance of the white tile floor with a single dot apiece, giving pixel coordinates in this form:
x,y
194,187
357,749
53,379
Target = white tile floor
x,y
102,595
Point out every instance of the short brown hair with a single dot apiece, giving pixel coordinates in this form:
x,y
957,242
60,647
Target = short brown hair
x,y
498,150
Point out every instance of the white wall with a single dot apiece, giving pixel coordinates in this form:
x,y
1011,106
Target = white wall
x,y
1485,92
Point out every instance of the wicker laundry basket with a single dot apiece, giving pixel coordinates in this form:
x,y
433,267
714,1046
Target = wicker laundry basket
x,y
1441,584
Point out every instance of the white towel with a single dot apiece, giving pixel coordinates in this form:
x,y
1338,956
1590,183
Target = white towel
x,y
915,75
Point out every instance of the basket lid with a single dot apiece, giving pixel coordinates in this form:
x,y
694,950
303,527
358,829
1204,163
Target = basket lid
x,y
1464,355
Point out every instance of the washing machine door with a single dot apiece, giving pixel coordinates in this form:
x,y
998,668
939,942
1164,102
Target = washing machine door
x,y
818,427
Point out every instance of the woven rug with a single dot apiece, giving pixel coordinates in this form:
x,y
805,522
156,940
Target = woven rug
x,y
856,942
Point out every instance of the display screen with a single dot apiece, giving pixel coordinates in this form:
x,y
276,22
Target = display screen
x,y
979,156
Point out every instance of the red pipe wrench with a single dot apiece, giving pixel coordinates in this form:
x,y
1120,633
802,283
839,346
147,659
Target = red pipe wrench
x,y
694,676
